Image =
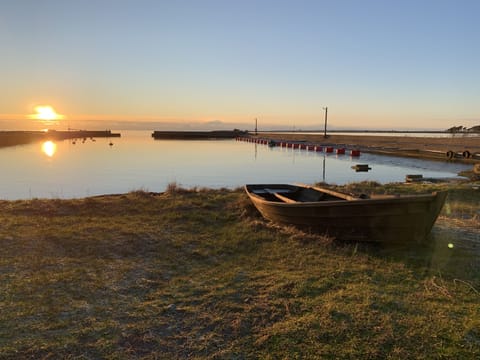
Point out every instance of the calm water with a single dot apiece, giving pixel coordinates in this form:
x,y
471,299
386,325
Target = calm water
x,y
136,161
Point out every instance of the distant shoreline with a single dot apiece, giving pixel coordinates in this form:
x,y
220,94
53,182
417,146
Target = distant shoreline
x,y
372,131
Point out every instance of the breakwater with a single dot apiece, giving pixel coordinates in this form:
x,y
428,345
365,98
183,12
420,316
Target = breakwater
x,y
13,138
198,135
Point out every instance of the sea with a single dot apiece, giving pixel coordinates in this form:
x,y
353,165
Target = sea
x,y
135,161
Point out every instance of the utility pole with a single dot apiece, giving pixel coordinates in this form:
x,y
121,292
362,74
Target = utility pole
x,y
256,123
326,115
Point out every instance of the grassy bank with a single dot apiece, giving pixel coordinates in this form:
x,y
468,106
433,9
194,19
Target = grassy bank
x,y
198,274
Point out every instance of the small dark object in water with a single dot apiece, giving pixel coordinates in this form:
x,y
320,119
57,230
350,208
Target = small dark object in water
x,y
413,178
361,167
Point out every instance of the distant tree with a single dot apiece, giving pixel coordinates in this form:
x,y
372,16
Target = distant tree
x,y
475,129
456,129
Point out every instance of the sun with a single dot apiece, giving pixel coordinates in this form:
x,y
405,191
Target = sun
x,y
45,112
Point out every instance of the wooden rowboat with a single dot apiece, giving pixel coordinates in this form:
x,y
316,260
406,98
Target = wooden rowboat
x,y
380,218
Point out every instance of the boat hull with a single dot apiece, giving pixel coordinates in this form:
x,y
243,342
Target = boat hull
x,y
385,219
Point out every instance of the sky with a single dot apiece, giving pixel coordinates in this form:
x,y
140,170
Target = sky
x,y
376,64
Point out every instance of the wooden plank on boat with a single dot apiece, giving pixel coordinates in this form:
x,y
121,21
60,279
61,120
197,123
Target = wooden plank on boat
x,y
280,196
270,191
333,193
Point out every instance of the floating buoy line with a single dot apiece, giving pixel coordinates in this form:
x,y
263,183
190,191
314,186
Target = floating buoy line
x,y
300,145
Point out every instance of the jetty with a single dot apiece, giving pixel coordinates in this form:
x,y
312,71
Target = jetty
x,y
198,135
13,138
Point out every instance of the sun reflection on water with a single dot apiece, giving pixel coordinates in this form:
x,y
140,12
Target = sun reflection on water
x,y
49,148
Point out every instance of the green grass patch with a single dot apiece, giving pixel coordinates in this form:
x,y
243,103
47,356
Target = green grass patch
x,y
199,274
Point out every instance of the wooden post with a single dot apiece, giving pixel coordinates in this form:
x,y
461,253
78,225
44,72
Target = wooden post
x,y
326,115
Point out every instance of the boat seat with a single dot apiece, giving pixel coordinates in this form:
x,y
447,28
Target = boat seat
x,y
284,198
271,191
280,196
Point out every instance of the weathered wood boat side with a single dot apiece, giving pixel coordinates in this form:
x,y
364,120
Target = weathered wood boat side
x,y
382,218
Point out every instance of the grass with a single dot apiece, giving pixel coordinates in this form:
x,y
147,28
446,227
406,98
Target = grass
x,y
199,274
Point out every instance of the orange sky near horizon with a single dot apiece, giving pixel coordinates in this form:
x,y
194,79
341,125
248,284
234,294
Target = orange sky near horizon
x,y
336,120
375,65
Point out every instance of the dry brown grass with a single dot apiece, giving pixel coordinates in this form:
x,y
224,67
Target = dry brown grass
x,y
199,274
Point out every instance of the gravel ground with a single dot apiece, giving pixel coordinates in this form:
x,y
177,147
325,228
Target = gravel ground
x,y
454,143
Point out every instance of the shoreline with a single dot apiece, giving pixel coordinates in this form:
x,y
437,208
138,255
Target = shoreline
x,y
432,148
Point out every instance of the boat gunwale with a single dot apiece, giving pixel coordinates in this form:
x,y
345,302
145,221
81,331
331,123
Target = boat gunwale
x,y
342,201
